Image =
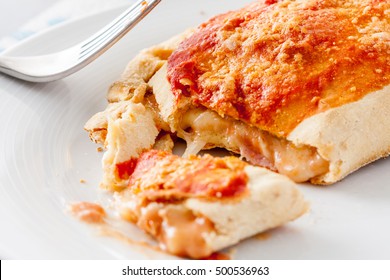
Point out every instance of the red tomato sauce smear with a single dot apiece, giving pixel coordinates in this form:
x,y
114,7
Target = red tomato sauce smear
x,y
172,176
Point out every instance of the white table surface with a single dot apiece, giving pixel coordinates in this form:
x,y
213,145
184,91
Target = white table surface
x,y
15,13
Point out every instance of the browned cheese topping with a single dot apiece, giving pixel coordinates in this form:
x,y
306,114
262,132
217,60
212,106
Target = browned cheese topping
x,y
274,63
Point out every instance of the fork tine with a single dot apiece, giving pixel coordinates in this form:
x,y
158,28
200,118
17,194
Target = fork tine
x,y
123,18
124,22
101,40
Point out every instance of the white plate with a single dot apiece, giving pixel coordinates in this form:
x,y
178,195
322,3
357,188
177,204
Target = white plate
x,y
45,153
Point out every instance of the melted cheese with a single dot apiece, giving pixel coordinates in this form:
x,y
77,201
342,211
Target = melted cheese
x,y
173,226
202,128
180,225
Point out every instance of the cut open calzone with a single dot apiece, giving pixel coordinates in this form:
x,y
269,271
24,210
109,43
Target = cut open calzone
x,y
299,87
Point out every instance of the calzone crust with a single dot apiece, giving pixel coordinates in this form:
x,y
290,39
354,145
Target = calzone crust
x,y
300,87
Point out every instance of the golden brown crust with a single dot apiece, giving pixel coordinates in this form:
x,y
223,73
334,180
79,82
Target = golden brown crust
x,y
275,63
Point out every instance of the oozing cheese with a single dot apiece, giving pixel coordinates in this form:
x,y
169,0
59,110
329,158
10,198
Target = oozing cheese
x,y
202,128
173,226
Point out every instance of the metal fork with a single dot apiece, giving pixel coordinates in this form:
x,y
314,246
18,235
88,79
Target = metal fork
x,y
54,66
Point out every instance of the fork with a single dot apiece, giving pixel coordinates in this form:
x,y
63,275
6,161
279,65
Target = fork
x,y
58,65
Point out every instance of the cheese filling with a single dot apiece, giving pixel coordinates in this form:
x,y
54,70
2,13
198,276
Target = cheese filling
x,y
203,129
173,226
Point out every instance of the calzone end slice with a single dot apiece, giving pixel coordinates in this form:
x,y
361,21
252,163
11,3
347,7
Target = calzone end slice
x,y
199,205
